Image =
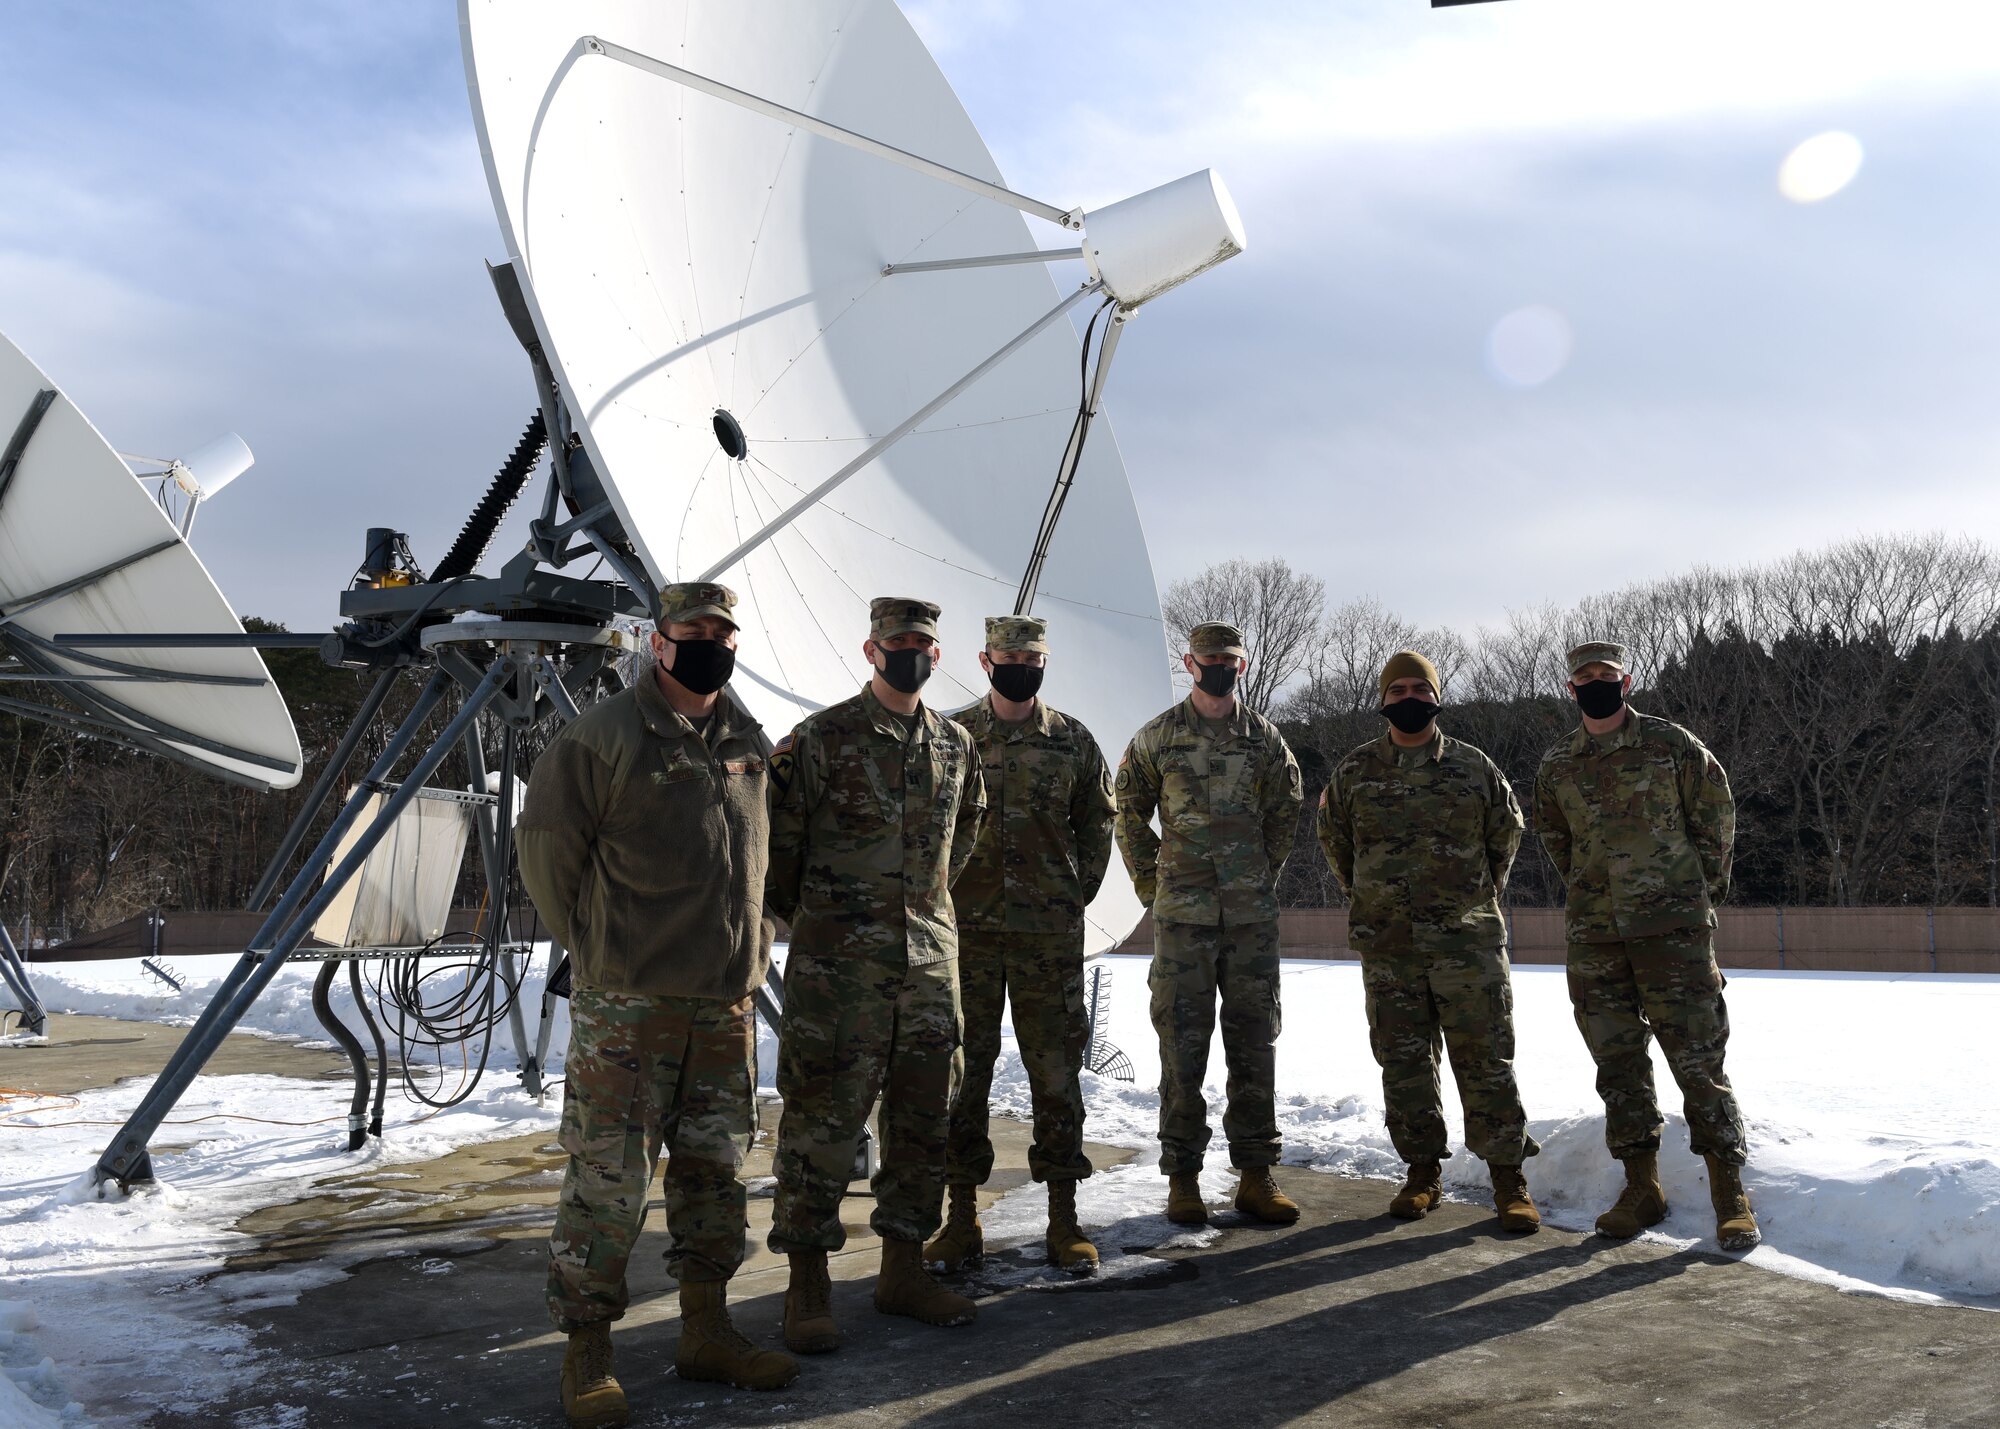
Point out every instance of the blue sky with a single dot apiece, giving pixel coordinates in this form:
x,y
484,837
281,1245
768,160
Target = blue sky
x,y
272,218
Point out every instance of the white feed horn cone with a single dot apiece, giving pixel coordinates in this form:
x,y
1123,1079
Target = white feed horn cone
x,y
212,466
1142,246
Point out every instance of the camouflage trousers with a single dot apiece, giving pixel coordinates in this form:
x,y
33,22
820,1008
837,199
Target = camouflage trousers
x,y
1625,994
1422,1003
646,1073
859,1026
1039,976
1191,964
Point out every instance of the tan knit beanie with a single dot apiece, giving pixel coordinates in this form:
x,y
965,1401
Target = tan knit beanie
x,y
1406,665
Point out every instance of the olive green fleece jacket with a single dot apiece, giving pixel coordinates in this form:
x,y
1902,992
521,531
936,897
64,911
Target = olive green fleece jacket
x,y
645,850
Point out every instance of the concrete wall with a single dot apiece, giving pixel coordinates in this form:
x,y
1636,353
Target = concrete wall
x,y
1951,940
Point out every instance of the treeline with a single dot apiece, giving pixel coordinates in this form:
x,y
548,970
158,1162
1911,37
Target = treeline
x,y
1853,693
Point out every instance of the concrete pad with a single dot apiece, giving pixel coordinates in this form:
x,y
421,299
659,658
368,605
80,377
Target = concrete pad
x,y
86,1052
1348,1317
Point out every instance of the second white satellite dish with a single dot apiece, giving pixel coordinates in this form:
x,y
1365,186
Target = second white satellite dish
x,y
810,346
85,550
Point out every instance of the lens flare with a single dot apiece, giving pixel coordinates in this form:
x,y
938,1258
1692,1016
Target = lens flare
x,y
1820,168
1529,346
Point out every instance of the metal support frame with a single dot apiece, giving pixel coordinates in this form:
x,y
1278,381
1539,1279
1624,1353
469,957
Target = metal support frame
x,y
1072,458
991,260
14,972
117,720
24,432
329,775
248,640
524,707
126,1159
21,605
897,433
593,45
494,824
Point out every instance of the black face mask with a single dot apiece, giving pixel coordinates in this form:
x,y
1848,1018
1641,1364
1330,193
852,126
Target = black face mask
x,y
1600,699
1410,715
1217,680
701,666
906,670
1016,682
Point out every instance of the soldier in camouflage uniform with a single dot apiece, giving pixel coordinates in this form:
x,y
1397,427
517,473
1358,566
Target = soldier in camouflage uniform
x,y
1041,855
875,804
642,842
1227,791
1421,830
1637,817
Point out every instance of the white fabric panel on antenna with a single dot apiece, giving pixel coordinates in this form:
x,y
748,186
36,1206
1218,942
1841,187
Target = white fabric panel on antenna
x,y
402,894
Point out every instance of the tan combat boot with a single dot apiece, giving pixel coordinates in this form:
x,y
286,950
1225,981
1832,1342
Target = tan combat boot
x,y
1735,1225
809,1323
1258,1196
590,1396
1184,1204
905,1287
1643,1203
712,1348
1422,1189
1068,1248
962,1242
1511,1199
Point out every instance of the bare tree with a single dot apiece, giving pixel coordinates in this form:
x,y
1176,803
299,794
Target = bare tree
x,y
1277,608
1525,659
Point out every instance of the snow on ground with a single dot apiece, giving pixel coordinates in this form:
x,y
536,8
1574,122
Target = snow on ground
x,y
67,1263
113,1286
1872,1103
1873,1110
114,988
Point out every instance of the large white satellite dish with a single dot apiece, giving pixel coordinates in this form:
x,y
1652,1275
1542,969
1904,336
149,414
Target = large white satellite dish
x,y
85,550
808,343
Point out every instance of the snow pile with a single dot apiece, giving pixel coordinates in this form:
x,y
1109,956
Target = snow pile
x,y
1875,1134
124,989
97,1268
94,1268
30,1395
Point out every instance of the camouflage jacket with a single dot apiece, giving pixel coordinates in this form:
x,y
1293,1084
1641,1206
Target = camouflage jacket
x,y
644,848
1422,847
1229,810
869,830
1640,827
1046,840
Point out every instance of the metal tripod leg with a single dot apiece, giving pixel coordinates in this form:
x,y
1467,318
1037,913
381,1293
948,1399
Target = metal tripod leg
x,y
495,827
14,972
371,705
125,1159
547,1029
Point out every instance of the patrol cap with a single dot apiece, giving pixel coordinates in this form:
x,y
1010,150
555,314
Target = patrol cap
x,y
1598,652
1017,632
1216,637
1409,665
901,615
690,600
